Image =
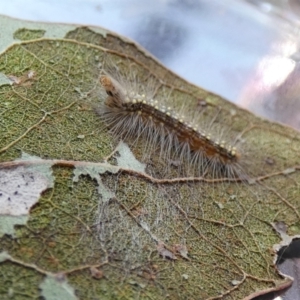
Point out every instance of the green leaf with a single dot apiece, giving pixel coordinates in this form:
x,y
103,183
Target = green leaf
x,y
148,237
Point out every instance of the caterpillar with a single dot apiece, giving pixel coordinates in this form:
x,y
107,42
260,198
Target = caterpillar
x,y
132,113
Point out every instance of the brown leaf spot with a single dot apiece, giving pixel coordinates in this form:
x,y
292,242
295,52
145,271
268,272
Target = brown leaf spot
x,y
165,253
97,274
182,250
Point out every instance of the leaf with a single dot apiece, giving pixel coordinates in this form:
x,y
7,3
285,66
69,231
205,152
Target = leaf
x,y
88,220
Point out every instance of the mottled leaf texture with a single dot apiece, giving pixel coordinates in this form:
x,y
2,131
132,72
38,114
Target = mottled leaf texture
x,y
104,220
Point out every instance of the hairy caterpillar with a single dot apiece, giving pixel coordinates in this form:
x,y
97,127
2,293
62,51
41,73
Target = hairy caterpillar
x,y
131,111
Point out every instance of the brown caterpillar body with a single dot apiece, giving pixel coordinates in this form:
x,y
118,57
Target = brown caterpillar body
x,y
129,114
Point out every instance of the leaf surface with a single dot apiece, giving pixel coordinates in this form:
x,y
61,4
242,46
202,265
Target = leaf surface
x,y
148,238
